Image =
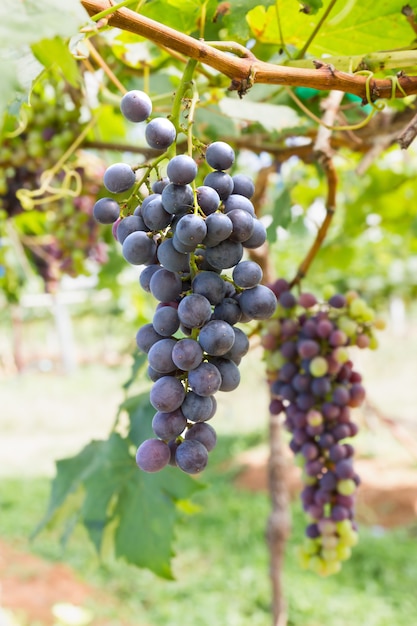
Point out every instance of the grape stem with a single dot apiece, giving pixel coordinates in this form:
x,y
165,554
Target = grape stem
x,y
325,77
183,87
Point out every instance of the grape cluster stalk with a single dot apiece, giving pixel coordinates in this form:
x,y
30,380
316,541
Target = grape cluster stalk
x,y
190,238
313,383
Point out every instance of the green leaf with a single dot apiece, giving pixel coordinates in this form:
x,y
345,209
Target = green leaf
x,y
235,19
113,465
353,27
70,474
311,6
117,503
140,412
281,214
55,52
139,362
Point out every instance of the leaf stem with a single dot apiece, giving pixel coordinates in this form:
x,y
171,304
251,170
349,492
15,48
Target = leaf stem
x,y
112,9
313,35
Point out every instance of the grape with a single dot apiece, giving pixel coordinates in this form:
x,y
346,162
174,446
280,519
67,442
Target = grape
x,y
204,433
229,372
240,346
146,275
159,185
226,254
167,394
182,170
220,156
182,247
242,225
160,356
128,225
160,133
191,456
171,259
178,199
136,106
205,380
247,274
167,426
228,310
234,202
191,229
221,182
197,408
138,248
258,303
106,210
154,215
219,228
146,337
210,285
153,455
208,199
243,185
258,236
187,354
216,337
165,286
119,177
166,321
194,311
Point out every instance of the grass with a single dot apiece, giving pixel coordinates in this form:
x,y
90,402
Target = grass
x,y
221,563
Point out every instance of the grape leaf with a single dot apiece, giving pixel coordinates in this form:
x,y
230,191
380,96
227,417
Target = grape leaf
x,y
311,6
354,28
281,214
103,488
51,52
235,19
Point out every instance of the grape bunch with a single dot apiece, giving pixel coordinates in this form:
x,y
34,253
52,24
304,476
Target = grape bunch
x,y
312,381
64,238
191,240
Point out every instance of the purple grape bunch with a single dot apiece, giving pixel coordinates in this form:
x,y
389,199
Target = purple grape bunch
x,y
189,240
313,383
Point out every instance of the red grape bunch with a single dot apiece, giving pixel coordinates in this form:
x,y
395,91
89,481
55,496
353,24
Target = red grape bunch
x,y
190,238
312,381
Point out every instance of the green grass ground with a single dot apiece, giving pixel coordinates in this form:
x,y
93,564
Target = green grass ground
x,y
221,563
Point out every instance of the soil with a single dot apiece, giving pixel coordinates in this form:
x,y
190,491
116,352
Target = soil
x,y
31,586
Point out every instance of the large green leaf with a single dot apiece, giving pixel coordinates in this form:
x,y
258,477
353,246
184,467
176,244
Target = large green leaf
x,y
352,27
55,52
116,502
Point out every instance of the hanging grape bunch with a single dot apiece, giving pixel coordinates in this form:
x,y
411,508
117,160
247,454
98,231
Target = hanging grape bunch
x,y
66,236
191,240
312,381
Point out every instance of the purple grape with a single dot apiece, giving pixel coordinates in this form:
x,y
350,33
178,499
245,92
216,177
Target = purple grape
x,y
191,456
136,106
160,133
153,455
119,177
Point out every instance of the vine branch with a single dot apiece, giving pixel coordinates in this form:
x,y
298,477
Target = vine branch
x,y
323,78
